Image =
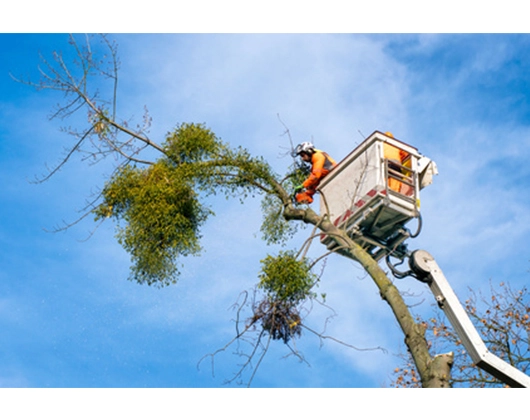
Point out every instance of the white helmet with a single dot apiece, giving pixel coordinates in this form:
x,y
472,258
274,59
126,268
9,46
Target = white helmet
x,y
305,147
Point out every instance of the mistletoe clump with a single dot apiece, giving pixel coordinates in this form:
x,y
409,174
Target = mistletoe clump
x,y
287,282
162,206
163,216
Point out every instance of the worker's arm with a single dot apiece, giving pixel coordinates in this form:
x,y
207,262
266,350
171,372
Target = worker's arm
x,y
318,161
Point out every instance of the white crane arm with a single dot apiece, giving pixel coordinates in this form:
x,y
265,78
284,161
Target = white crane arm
x,y
427,270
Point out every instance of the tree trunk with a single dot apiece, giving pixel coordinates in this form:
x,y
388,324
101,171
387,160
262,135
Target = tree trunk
x,y
433,372
439,372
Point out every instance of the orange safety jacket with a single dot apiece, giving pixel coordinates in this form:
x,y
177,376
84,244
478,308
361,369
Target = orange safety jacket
x,y
394,154
321,164
391,152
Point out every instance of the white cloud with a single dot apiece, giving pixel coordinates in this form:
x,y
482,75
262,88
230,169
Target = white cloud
x,y
324,86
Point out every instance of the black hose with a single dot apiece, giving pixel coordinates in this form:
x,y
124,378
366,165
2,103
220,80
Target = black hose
x,y
398,274
418,230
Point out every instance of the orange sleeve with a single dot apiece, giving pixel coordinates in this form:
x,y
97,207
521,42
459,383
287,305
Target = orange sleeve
x,y
317,161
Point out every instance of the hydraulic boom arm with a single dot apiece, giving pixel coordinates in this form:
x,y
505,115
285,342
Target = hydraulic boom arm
x,y
427,270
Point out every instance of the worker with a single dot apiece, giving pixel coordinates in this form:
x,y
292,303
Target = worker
x,y
396,160
321,165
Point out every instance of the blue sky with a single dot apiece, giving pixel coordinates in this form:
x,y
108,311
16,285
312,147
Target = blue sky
x,y
69,316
